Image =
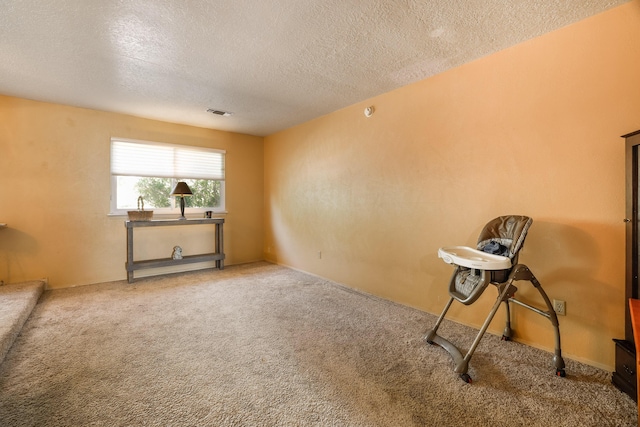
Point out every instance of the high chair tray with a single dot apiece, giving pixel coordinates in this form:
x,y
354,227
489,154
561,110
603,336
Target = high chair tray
x,y
473,258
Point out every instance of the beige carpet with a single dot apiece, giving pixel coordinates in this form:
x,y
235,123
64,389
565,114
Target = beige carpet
x,y
262,345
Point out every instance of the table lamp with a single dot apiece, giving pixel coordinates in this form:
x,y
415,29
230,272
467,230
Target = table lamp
x,y
181,189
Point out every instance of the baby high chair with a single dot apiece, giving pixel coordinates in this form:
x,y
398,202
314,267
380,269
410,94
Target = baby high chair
x,y
494,261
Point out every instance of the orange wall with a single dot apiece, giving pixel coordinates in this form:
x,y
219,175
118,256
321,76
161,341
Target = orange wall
x,y
55,188
532,130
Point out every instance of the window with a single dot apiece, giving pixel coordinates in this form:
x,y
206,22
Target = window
x,y
151,170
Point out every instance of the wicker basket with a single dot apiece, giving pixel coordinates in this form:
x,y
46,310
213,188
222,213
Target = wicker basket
x,y
140,214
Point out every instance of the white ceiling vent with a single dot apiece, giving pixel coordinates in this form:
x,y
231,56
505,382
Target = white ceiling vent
x,y
219,112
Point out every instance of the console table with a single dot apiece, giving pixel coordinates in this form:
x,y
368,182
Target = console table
x,y
217,256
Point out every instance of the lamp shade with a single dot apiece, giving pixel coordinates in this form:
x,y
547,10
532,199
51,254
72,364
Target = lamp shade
x,y
181,189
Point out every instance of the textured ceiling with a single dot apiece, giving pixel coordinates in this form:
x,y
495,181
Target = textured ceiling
x,y
273,63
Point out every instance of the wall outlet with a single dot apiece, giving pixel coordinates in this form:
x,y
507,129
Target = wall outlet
x,y
560,307
319,254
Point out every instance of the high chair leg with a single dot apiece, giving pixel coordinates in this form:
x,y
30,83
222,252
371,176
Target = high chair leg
x,y
507,333
431,333
462,363
558,361
522,272
506,292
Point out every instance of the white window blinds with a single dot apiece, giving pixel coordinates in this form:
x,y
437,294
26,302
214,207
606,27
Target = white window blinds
x,y
136,158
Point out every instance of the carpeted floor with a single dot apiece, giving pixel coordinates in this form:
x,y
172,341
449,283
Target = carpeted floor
x,y
263,345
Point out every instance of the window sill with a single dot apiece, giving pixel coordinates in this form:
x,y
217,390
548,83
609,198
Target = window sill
x,y
195,215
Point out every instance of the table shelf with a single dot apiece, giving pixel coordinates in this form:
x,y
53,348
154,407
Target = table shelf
x,y
217,256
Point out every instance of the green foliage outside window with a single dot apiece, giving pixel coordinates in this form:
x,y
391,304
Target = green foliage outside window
x,y
157,192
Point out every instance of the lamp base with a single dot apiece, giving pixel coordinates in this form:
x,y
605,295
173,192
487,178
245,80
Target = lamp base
x,y
182,208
